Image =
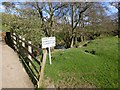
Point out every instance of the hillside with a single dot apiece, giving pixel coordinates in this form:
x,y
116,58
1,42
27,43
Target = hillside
x,y
78,67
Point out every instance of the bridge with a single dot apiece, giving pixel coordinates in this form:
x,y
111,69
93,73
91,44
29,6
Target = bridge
x,y
16,61
13,73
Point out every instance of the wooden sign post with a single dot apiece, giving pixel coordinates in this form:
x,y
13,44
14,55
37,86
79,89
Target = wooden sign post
x,y
47,42
40,83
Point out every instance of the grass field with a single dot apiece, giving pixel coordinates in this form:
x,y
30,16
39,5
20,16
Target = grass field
x,y
77,68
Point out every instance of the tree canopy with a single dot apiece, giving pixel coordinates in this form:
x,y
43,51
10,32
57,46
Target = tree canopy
x,y
69,22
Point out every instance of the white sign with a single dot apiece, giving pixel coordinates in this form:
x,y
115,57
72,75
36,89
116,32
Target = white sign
x,y
48,42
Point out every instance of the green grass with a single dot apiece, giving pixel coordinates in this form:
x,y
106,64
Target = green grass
x,y
76,68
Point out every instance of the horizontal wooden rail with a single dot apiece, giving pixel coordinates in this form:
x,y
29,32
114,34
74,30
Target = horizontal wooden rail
x,y
25,50
32,56
30,70
29,66
27,43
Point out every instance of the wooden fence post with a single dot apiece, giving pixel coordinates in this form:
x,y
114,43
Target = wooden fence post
x,y
14,41
20,39
30,50
23,51
19,42
23,43
41,73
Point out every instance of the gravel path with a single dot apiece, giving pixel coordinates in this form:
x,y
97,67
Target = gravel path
x,y
13,73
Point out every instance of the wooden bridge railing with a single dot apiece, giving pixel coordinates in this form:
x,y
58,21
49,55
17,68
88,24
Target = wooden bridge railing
x,y
27,53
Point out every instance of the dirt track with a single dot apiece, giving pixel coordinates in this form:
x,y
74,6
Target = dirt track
x,y
13,74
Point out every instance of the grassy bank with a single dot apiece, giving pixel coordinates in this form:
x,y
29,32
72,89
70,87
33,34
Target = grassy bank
x,y
77,68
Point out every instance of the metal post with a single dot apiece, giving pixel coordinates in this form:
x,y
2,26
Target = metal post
x,y
49,55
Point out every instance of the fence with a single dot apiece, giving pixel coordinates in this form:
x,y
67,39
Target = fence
x,y
28,55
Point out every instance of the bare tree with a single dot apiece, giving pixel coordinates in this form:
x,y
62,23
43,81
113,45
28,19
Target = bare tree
x,y
76,11
53,9
119,18
117,5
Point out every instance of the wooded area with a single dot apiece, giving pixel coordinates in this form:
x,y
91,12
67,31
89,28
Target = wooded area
x,y
87,33
69,22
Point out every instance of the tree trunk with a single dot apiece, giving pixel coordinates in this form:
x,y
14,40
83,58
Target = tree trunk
x,y
119,19
51,19
82,39
72,42
39,11
72,26
76,41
